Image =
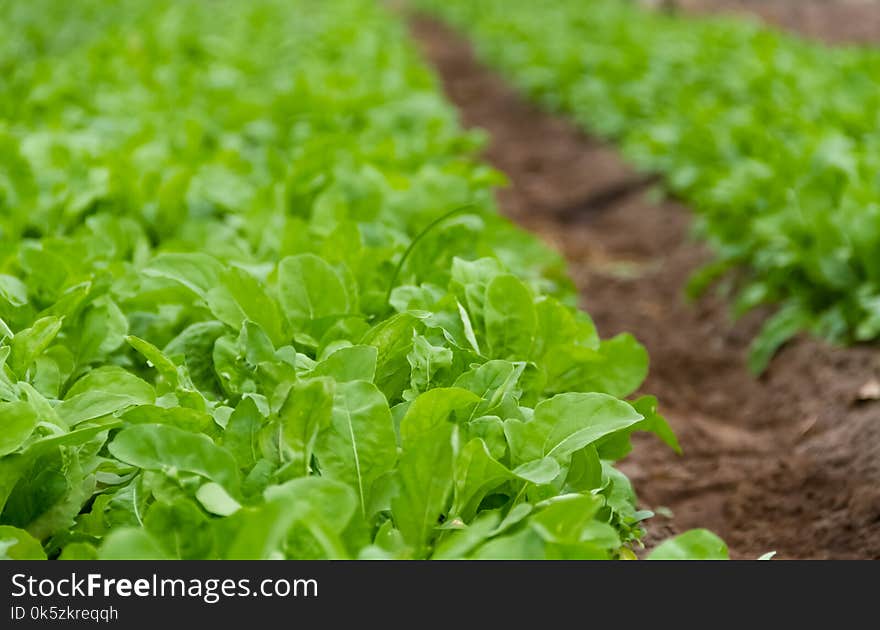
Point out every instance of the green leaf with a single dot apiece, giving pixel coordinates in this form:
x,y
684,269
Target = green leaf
x,y
618,367
460,543
696,544
240,297
131,544
511,321
323,506
197,272
181,417
476,473
567,423
168,449
426,361
310,289
584,471
569,519
495,382
425,470
102,392
216,500
617,446
425,476
539,471
359,446
432,410
523,545
775,332
560,326
78,551
181,528
305,413
353,363
17,544
157,359
103,330
29,343
393,340
17,421
241,437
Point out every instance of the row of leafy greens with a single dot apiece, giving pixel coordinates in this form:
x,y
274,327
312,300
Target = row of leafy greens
x,y
771,139
255,302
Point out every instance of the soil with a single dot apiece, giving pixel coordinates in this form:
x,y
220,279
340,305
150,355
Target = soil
x,y
789,462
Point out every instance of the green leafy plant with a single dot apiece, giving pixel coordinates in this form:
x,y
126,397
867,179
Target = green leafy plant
x,y
255,302
771,139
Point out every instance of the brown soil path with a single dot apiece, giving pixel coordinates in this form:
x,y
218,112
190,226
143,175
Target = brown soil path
x,y
790,462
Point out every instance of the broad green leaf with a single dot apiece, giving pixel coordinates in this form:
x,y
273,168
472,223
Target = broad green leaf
x,y
17,421
476,474
13,290
460,543
425,476
29,343
197,272
241,437
216,500
180,417
432,410
157,359
306,412
523,545
17,544
69,488
71,438
569,519
618,367
131,544
696,544
359,445
426,361
180,527
584,470
12,467
103,330
311,289
561,326
79,551
393,340
495,382
324,506
194,346
539,471
104,391
511,322
354,363
617,446
240,297
425,471
567,423
168,449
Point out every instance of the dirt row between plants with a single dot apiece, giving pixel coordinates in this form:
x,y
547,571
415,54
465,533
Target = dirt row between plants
x,y
789,462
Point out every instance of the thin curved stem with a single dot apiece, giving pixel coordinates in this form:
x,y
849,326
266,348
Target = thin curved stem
x,y
416,240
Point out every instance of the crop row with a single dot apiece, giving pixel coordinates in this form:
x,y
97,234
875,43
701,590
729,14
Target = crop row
x,y
255,302
771,139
